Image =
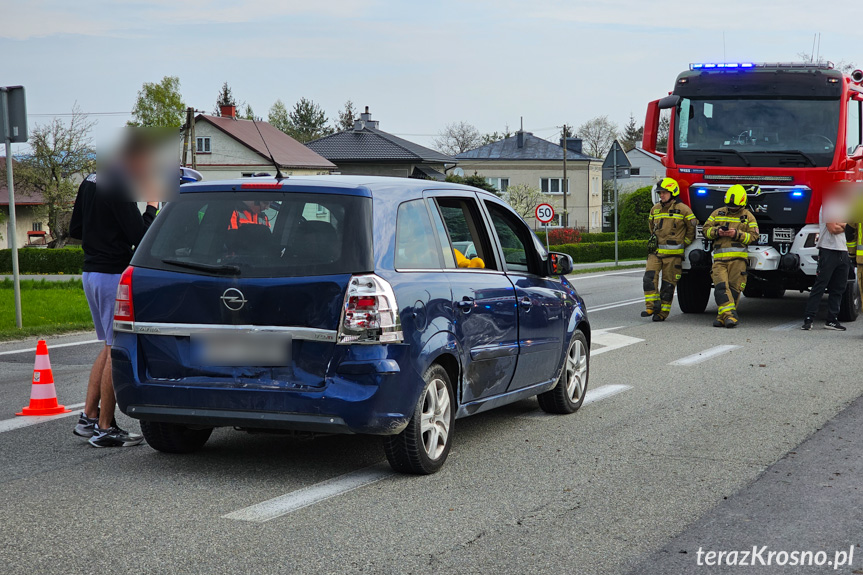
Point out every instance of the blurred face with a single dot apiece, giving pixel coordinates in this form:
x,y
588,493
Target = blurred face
x,y
664,196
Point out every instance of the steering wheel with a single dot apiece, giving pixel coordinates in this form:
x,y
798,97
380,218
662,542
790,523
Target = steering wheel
x,y
819,139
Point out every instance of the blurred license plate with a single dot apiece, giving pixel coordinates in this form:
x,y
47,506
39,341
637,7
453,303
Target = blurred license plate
x,y
241,349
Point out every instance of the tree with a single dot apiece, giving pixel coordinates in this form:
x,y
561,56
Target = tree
x,y
307,122
662,132
278,116
632,134
456,138
597,134
492,137
523,198
474,180
346,117
841,65
159,104
634,210
60,155
247,113
225,98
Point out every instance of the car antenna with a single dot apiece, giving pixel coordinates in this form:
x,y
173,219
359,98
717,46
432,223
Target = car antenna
x,y
279,175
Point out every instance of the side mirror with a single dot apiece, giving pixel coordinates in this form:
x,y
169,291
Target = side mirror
x,y
559,264
669,102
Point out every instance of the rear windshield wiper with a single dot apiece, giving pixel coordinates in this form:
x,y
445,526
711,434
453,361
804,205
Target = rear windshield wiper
x,y
727,151
225,269
800,153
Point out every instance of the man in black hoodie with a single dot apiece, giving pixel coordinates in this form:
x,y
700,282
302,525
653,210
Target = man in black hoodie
x,y
109,224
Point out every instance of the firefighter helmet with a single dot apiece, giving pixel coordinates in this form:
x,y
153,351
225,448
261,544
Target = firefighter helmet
x,y
735,196
667,185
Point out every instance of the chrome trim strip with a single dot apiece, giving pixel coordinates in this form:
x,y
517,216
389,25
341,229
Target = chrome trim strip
x,y
187,329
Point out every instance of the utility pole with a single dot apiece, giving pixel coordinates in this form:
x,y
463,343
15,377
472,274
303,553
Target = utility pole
x,y
189,119
565,184
616,262
194,146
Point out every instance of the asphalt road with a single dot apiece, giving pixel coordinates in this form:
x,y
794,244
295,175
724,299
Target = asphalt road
x,y
662,462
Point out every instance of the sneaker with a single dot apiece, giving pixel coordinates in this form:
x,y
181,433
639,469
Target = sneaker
x,y
85,427
646,313
807,324
114,437
834,325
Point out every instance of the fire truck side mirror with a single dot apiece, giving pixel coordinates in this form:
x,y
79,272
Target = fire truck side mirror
x,y
669,102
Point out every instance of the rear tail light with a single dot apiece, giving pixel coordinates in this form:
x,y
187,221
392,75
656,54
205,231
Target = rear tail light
x,y
370,313
124,310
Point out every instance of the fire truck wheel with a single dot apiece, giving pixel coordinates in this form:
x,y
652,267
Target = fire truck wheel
x,y
850,308
693,291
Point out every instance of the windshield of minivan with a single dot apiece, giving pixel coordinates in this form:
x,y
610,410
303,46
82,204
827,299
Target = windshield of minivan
x,y
261,234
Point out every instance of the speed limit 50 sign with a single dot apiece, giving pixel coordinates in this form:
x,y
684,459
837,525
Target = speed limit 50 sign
x,y
544,213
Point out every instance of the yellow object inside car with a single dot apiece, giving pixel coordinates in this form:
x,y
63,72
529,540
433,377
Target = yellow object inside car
x,y
463,262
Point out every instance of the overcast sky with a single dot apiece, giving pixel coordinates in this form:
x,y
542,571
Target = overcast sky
x,y
418,65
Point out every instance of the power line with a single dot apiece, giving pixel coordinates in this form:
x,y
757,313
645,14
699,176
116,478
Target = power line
x,y
82,114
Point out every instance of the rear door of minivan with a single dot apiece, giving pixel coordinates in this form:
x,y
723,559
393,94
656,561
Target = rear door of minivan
x,y
219,265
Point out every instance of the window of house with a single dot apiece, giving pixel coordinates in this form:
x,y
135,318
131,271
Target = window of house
x,y
512,236
552,185
855,137
465,230
634,171
500,184
202,144
416,245
37,226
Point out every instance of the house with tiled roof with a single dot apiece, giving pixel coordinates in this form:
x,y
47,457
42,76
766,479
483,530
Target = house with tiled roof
x,y
31,218
367,150
229,147
528,159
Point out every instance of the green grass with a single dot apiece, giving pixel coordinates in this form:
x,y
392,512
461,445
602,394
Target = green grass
x,y
48,308
607,269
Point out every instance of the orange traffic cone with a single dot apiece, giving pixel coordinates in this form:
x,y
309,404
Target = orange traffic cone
x,y
43,396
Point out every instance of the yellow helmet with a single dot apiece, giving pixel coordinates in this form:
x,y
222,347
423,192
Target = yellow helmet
x,y
667,185
735,196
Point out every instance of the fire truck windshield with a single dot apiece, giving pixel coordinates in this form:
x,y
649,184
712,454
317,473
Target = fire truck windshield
x,y
756,131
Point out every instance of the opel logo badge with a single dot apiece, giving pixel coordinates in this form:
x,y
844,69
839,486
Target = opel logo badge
x,y
233,299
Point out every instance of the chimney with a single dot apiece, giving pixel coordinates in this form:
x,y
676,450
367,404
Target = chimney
x,y
519,138
228,111
365,120
572,144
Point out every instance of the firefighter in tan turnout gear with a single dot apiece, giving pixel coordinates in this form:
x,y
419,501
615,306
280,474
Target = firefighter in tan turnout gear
x,y
672,228
731,228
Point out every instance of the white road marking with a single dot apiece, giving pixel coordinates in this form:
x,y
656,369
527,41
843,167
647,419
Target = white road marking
x,y
20,421
50,347
614,305
704,355
312,494
602,275
787,326
610,341
592,396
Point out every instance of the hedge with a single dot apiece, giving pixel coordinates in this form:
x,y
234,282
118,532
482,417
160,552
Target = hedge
x,y
44,261
585,237
593,252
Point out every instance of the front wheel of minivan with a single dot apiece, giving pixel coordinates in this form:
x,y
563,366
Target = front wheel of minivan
x,y
174,438
568,395
424,444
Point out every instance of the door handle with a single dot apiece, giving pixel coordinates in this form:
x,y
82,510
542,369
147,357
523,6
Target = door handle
x,y
465,305
525,302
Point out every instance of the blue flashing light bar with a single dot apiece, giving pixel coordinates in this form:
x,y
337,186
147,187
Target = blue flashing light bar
x,y
750,65
723,65
701,191
797,194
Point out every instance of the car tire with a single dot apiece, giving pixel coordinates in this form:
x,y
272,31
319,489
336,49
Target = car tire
x,y
174,438
850,306
423,446
693,291
568,395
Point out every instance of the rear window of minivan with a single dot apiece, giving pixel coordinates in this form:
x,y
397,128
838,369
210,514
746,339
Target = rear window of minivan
x,y
261,234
